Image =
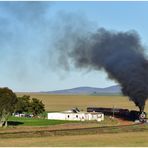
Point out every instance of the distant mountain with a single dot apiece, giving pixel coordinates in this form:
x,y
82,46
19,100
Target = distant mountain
x,y
88,90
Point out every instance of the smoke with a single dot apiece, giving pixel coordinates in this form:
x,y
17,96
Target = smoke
x,y
23,33
27,30
25,11
120,54
21,23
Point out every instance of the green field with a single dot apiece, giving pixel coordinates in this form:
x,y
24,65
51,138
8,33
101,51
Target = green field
x,y
43,132
22,121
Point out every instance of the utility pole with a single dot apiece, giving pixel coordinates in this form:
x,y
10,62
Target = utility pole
x,y
113,111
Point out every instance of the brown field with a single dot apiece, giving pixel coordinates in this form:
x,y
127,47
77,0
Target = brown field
x,y
108,133
115,139
65,102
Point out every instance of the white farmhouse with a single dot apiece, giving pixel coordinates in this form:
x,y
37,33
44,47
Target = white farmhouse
x,y
75,114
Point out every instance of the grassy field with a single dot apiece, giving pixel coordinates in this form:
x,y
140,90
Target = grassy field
x,y
116,139
65,102
131,135
34,121
41,132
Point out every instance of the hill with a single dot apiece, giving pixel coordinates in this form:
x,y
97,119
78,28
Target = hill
x,y
88,90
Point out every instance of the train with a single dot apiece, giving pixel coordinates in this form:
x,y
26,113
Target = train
x,y
120,113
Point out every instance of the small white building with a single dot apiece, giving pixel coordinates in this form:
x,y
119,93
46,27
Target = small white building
x,y
22,115
76,115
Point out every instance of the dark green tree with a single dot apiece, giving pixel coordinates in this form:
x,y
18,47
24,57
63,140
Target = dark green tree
x,y
23,104
8,101
36,106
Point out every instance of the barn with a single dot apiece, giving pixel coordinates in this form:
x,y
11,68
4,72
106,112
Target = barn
x,y
76,115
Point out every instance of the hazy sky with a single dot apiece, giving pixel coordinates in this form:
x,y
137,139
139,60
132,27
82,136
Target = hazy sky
x,y
28,32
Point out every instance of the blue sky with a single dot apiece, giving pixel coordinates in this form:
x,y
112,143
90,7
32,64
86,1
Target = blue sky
x,y
26,36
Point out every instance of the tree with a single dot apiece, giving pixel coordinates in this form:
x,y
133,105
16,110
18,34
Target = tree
x,y
36,106
8,101
23,104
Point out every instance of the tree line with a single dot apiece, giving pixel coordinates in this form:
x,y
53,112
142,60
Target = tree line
x,y
10,103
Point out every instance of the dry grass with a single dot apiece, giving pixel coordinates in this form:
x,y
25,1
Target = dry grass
x,y
65,102
65,126
116,139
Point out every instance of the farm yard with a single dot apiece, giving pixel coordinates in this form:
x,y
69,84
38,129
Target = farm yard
x,y
44,132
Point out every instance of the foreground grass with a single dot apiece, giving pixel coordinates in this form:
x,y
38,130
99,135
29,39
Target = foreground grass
x,y
116,139
38,132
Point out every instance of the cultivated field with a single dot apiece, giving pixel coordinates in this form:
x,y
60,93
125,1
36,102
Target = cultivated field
x,y
65,102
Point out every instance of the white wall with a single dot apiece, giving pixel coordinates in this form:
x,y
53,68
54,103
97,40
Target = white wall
x,y
56,116
76,116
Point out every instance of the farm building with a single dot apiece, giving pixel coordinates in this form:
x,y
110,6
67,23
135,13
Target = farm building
x,y
75,114
22,115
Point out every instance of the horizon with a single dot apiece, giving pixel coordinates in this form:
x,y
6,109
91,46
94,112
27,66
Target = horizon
x,y
44,91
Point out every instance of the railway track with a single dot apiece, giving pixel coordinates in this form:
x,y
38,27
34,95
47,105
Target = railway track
x,y
82,131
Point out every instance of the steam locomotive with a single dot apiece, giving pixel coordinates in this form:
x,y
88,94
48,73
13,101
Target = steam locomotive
x,y
120,113
142,117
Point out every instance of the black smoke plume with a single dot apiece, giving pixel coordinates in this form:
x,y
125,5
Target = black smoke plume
x,y
120,54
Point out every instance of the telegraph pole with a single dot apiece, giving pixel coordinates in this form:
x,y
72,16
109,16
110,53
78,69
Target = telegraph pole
x,y
113,111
